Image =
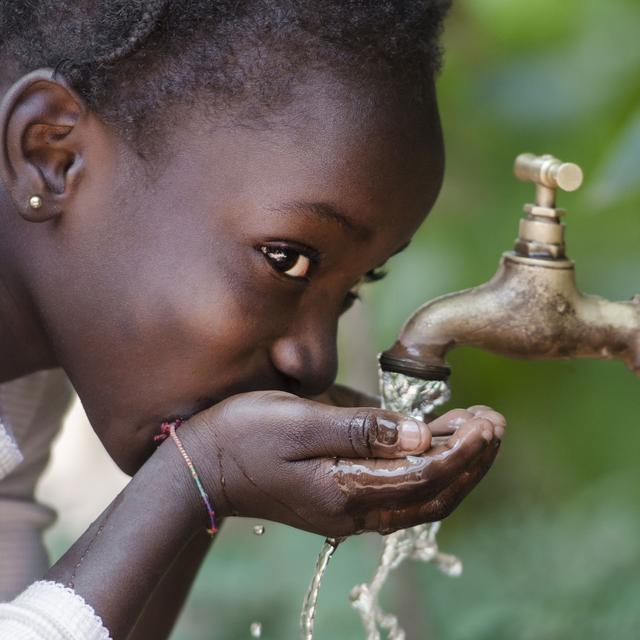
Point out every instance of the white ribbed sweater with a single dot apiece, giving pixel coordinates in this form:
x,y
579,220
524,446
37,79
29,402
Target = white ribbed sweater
x,y
50,611
44,610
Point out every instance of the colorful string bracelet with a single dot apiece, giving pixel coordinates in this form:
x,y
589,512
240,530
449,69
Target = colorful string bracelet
x,y
168,430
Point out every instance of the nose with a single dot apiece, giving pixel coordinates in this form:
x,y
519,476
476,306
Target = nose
x,y
308,357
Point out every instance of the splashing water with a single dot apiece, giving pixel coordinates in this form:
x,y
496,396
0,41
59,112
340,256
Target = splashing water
x,y
416,398
413,397
256,630
416,543
308,615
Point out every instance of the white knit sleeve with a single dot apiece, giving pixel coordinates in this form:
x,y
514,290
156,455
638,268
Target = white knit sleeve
x,y
10,456
50,611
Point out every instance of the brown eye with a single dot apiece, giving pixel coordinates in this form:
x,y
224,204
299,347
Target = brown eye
x,y
288,261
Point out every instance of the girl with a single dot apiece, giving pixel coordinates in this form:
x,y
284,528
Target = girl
x,y
192,193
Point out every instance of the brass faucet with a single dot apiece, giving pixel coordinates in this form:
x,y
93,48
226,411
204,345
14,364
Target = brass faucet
x,y
531,308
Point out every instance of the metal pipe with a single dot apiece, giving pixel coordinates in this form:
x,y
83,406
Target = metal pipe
x,y
532,307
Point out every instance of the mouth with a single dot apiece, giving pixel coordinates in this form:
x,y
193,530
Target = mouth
x,y
200,405
207,402
272,380
151,427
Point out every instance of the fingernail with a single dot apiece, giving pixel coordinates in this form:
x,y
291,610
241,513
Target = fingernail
x,y
487,435
411,435
499,431
386,430
498,419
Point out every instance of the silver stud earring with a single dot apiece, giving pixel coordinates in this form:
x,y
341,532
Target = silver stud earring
x,y
35,202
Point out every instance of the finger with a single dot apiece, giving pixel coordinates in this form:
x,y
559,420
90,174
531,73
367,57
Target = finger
x,y
448,423
320,431
499,421
437,508
451,496
446,461
415,477
305,429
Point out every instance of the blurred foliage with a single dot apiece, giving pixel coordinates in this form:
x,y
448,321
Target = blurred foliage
x,y
550,539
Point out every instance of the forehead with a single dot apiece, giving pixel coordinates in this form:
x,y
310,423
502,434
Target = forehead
x,y
372,154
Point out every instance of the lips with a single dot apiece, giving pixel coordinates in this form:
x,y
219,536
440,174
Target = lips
x,y
273,381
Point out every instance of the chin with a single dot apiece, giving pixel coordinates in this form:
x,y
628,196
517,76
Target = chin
x,y
129,446
133,460
130,443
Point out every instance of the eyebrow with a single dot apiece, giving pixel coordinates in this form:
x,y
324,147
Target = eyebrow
x,y
330,212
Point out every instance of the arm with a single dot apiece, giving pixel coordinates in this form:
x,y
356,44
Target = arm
x,y
109,574
163,608
268,455
121,559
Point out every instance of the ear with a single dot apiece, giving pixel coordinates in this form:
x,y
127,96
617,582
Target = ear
x,y
42,144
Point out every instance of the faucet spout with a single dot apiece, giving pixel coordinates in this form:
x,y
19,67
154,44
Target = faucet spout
x,y
530,309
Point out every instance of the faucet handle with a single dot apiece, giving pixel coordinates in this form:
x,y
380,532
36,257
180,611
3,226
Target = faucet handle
x,y
541,234
548,171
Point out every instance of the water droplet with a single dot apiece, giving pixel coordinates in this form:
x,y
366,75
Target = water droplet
x,y
256,629
259,531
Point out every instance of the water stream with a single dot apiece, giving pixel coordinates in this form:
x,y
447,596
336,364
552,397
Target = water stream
x,y
416,398
310,603
416,543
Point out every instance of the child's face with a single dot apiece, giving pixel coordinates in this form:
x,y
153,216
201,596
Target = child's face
x,y
229,270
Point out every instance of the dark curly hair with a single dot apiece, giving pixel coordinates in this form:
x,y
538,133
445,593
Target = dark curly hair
x,y
128,58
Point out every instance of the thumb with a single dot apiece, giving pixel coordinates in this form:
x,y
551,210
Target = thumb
x,y
366,432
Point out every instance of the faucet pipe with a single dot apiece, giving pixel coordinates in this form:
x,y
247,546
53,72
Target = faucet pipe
x,y
532,307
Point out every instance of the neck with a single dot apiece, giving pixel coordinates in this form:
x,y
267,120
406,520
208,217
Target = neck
x,y
24,346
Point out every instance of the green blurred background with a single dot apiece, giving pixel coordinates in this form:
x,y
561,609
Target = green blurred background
x,y
551,539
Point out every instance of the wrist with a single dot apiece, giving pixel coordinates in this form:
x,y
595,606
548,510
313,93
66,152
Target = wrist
x,y
195,467
173,477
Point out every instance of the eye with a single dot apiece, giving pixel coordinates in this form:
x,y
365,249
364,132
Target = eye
x,y
354,293
291,262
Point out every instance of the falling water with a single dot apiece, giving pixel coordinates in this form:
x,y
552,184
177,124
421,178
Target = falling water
x,y
416,398
308,615
416,543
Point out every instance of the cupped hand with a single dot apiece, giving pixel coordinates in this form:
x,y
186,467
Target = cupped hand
x,y
338,471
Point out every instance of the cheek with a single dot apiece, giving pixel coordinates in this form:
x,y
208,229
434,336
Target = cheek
x,y
193,331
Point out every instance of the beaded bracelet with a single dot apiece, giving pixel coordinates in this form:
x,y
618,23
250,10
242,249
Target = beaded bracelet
x,y
168,430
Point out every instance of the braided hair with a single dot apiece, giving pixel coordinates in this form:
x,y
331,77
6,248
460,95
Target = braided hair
x,y
130,58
